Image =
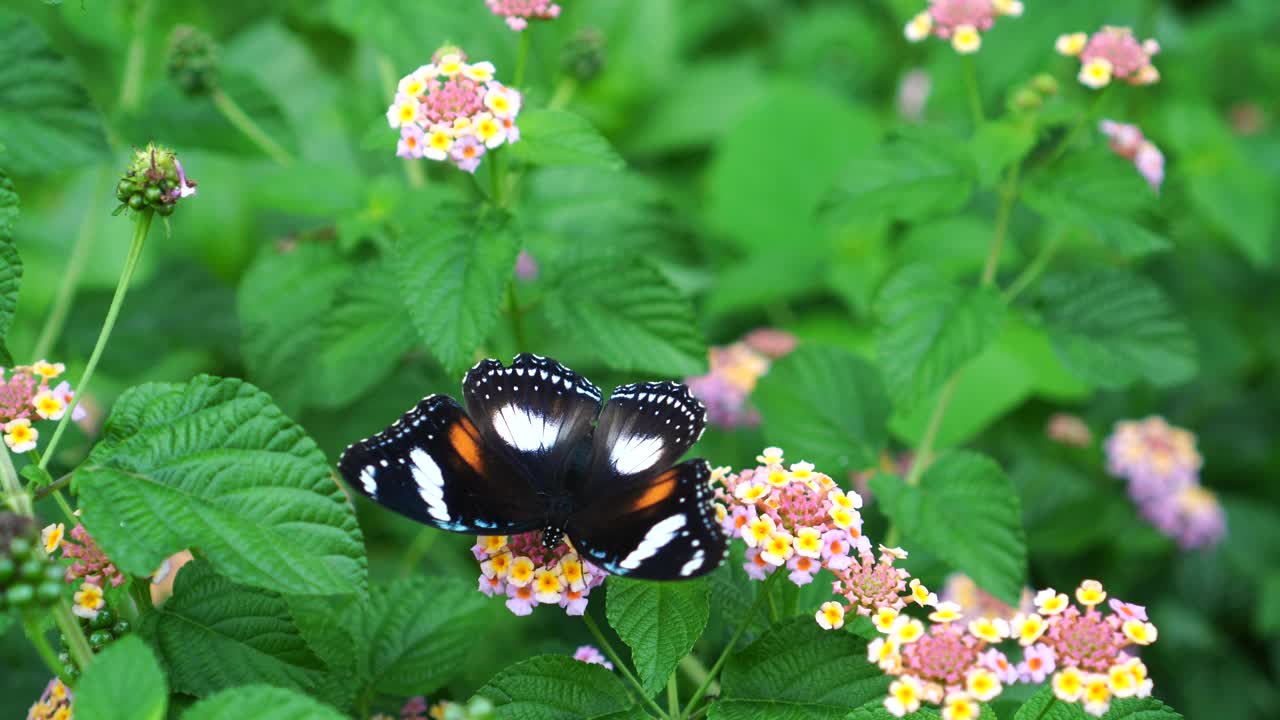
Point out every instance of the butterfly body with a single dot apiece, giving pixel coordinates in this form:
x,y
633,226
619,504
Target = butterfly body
x,y
535,450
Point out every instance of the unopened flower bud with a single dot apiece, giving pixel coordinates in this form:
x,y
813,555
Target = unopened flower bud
x,y
584,56
155,180
1027,99
1045,84
193,63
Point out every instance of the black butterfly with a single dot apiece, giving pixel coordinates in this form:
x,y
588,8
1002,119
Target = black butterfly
x,y
533,450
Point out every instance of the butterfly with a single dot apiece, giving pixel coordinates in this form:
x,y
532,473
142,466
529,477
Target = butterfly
x,y
533,449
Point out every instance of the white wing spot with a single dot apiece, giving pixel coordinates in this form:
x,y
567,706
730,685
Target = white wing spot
x,y
430,483
525,430
367,481
635,453
692,566
654,540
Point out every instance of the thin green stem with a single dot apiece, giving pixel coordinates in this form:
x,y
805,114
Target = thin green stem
x,y
135,59
15,496
241,121
1008,196
693,669
57,317
1033,271
122,287
975,95
522,59
1080,124
498,180
422,542
70,627
65,507
567,86
620,665
733,641
925,450
31,626
673,697
54,486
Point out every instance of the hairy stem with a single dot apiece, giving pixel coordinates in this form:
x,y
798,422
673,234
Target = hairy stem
x,y
70,627
117,300
673,696
241,121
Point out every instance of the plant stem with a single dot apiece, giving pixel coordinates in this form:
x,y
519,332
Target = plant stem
x,y
1086,119
241,121
422,542
122,287
673,697
498,180
135,59
622,667
975,96
1008,196
1032,272
57,317
56,485
693,669
15,496
733,641
925,449
522,58
70,627
563,94
65,507
35,634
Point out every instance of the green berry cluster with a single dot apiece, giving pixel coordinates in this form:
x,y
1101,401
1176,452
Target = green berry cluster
x,y
193,62
583,56
28,577
101,631
1032,95
154,181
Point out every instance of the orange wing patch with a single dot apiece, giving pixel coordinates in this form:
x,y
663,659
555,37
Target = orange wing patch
x,y
464,437
659,491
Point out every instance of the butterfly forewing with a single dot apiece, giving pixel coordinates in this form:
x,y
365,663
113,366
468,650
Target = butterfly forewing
x,y
663,528
433,465
644,429
537,412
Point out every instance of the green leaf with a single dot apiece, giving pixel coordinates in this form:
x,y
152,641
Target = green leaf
x,y
659,621
1034,709
930,327
1101,194
798,671
10,263
877,711
919,174
558,137
261,702
1268,613
626,313
556,687
827,406
123,682
47,120
999,144
965,511
453,263
214,634
214,466
1112,328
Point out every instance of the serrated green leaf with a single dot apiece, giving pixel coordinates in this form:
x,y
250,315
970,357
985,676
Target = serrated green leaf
x,y
920,174
659,621
47,120
214,634
453,263
930,327
558,137
214,466
965,511
1101,194
10,263
123,682
877,711
1112,328
997,145
261,702
827,406
629,315
556,687
798,671
1044,706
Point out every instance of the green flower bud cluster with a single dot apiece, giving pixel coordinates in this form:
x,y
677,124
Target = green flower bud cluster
x,y
1032,96
477,709
155,181
583,57
28,577
101,631
193,61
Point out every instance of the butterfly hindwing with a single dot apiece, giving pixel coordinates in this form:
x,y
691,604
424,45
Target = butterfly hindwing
x,y
538,412
644,429
663,528
433,466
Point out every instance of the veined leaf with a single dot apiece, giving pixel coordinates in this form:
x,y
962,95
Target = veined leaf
x,y
10,263
1044,706
47,121
930,327
1112,328
799,671
827,406
213,465
124,682
261,702
629,315
214,634
453,262
918,174
659,621
966,511
558,137
557,687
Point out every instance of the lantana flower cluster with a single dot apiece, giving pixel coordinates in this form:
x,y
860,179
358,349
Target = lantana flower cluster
x,y
591,655
518,13
735,370
416,708
1112,53
1128,142
54,703
25,396
974,602
529,574
960,21
454,111
1162,465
